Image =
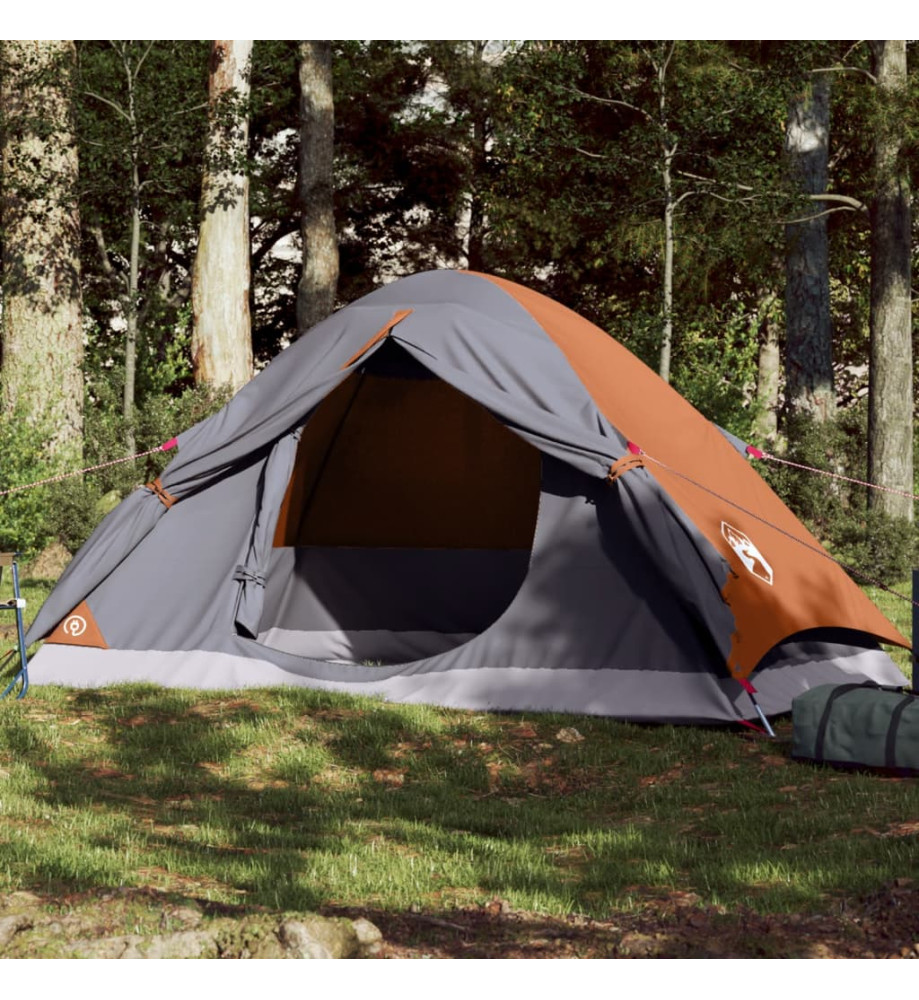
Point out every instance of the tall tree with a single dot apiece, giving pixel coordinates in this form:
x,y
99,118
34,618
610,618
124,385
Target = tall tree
x,y
639,164
765,327
809,388
890,417
222,335
391,172
131,63
42,305
668,143
319,276
474,219
142,126
461,99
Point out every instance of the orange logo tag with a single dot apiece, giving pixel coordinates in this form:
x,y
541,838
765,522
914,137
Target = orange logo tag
x,y
79,628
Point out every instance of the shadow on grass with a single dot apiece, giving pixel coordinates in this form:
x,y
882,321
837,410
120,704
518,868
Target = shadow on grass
x,y
299,799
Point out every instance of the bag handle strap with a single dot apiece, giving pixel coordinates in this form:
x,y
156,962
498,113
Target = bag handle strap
x,y
890,746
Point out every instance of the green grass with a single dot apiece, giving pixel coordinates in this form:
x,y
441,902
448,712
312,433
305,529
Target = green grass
x,y
34,592
300,799
900,612
296,799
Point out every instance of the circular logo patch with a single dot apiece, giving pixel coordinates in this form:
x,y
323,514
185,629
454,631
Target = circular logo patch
x,y
75,626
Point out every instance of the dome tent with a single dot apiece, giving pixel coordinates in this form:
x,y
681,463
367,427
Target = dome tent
x,y
437,495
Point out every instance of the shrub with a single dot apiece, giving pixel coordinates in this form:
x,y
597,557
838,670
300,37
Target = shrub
x,y
715,367
70,510
23,459
867,541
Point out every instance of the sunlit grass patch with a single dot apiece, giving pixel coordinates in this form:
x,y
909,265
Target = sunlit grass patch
x,y
298,799
900,612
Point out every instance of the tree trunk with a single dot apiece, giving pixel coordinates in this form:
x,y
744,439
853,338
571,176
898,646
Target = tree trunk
x,y
890,406
319,277
765,425
809,389
42,305
472,223
130,334
132,292
221,343
667,307
668,148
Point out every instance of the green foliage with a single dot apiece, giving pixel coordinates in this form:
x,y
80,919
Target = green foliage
x,y
273,152
553,147
396,174
715,366
876,546
69,510
871,544
73,508
23,447
402,170
141,116
583,147
163,359
404,164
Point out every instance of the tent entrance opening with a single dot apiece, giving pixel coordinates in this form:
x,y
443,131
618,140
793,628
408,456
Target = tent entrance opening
x,y
407,524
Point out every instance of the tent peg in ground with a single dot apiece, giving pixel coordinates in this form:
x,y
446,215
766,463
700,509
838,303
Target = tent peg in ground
x,y
751,691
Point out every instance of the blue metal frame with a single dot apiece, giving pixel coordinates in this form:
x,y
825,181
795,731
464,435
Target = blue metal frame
x,y
17,604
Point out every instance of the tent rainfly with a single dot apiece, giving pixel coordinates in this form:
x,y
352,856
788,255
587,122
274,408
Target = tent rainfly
x,y
457,491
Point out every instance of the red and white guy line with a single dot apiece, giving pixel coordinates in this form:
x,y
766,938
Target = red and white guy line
x,y
751,450
757,453
171,443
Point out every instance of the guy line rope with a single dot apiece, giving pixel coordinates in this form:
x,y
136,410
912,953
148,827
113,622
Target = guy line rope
x,y
757,453
753,452
171,443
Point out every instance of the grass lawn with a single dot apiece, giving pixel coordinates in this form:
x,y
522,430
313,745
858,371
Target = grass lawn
x,y
900,612
451,829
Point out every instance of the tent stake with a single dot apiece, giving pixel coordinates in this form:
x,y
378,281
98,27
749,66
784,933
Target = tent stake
x,y
751,691
762,717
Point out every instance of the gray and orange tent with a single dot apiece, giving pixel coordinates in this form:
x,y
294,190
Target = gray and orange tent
x,y
457,491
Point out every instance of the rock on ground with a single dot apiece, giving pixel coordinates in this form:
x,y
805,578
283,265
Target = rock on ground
x,y
85,932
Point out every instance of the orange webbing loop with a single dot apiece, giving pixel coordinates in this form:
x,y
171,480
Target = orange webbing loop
x,y
165,497
623,465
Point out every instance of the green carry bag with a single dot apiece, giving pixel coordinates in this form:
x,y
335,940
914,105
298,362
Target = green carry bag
x,y
857,725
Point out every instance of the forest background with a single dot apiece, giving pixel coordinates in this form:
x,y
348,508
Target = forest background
x,y
173,213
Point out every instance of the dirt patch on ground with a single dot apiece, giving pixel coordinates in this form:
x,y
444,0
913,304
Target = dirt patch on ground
x,y
139,923
885,925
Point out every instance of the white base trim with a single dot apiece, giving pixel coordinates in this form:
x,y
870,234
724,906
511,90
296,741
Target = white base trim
x,y
640,695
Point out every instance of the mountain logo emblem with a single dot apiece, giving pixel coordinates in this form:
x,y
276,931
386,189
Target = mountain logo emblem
x,y
747,552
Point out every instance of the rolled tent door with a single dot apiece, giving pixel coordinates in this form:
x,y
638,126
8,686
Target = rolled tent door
x,y
253,567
